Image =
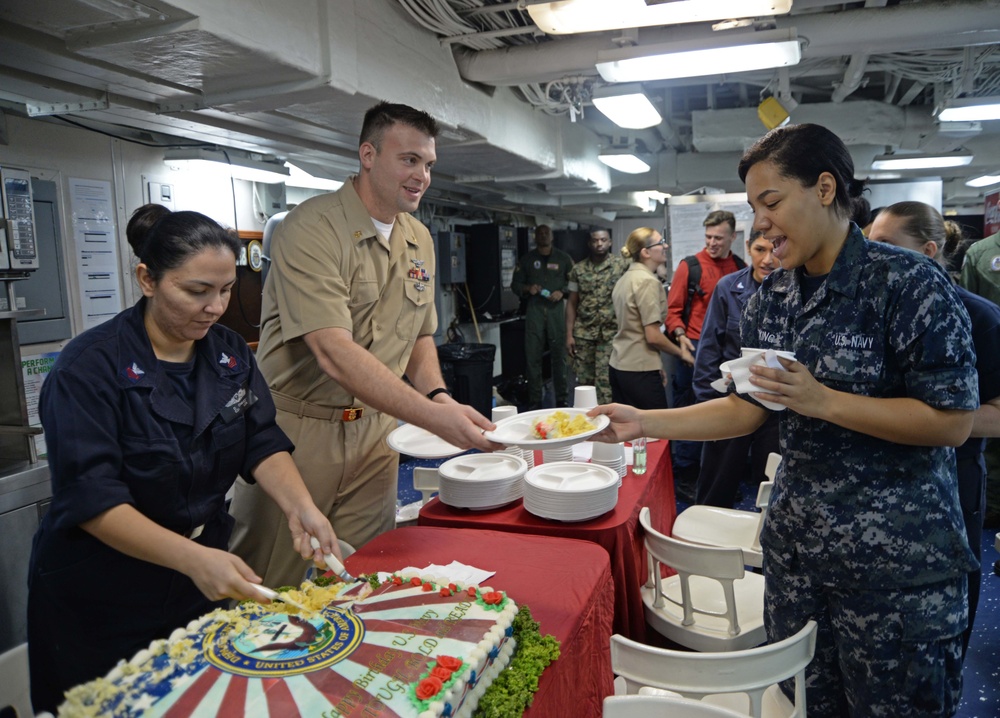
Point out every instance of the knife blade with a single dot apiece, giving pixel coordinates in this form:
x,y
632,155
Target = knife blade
x,y
275,596
331,561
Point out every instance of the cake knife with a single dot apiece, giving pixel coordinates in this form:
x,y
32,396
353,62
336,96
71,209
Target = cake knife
x,y
331,561
275,596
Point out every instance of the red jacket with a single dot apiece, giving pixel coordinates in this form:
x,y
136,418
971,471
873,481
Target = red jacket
x,y
712,270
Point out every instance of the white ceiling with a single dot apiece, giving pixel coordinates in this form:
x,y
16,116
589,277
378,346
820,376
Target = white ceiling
x,y
292,80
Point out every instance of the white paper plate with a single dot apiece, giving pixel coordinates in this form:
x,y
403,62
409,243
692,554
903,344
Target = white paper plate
x,y
419,443
518,430
571,478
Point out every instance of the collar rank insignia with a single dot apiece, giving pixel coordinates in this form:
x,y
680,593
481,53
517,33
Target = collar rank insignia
x,y
133,373
227,361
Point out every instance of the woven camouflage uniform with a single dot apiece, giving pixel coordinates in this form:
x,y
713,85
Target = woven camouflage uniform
x,y
595,324
855,523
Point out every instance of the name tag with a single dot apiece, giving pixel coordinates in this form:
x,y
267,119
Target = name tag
x,y
239,403
552,266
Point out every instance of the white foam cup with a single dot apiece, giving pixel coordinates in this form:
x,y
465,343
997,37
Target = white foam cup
x,y
607,452
585,397
503,412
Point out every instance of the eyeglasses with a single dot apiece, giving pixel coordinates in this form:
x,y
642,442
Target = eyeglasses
x,y
661,243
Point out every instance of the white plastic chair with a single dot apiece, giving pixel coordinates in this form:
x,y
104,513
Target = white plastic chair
x,y
711,604
15,691
656,706
730,528
745,681
426,480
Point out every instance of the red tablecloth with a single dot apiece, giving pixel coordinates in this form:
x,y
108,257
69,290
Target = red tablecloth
x,y
618,531
566,584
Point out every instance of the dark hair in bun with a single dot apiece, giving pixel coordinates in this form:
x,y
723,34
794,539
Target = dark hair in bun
x,y
164,240
803,153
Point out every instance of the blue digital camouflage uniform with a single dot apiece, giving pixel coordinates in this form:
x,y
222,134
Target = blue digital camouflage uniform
x,y
865,534
596,324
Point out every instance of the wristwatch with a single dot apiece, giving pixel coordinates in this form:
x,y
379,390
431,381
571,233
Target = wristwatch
x,y
679,332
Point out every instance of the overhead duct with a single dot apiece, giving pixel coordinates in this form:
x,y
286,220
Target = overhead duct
x,y
900,28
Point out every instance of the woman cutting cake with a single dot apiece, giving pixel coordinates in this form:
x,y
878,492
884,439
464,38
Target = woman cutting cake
x,y
148,420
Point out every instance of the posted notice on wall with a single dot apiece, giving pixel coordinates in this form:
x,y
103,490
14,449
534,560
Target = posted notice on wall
x,y
34,369
96,250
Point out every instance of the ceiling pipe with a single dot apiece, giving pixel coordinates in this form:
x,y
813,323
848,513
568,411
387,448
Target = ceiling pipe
x,y
900,28
854,75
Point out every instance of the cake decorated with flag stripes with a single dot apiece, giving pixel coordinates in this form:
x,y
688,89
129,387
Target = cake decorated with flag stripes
x,y
412,646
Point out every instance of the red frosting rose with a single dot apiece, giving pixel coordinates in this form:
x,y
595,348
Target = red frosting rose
x,y
492,598
449,662
472,591
397,580
441,672
416,581
453,587
428,587
445,591
428,688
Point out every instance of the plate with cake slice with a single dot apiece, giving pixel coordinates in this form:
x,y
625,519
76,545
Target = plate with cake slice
x,y
547,428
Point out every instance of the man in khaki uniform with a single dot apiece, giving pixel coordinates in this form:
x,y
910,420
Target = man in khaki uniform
x,y
348,308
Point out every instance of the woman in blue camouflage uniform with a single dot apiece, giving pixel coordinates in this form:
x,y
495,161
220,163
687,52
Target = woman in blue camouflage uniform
x,y
864,533
921,228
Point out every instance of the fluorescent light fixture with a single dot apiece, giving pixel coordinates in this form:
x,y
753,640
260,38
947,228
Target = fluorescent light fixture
x,y
231,163
971,109
921,161
301,178
623,159
572,16
719,53
627,106
984,181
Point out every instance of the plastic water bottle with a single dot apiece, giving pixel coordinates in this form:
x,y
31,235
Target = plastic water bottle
x,y
639,455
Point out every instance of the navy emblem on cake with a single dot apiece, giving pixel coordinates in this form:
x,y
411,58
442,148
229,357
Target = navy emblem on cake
x,y
279,644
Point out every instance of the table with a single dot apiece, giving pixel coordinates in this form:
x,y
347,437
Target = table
x,y
618,531
566,583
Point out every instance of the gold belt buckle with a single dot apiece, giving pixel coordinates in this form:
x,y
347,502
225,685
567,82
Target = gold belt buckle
x,y
353,413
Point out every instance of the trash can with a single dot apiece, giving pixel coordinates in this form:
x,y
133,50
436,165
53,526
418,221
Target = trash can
x,y
468,373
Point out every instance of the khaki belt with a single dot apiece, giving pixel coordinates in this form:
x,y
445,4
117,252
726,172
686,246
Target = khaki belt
x,y
304,408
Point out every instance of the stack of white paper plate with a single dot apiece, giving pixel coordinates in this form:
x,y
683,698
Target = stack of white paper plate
x,y
481,481
570,491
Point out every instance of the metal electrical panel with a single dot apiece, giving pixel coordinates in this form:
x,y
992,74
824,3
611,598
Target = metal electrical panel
x,y
450,248
490,255
21,251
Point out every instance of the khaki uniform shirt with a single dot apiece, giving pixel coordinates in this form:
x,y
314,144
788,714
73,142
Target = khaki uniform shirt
x,y
639,300
330,268
595,314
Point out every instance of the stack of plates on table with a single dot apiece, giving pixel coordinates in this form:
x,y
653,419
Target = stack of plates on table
x,y
481,481
564,453
612,456
570,491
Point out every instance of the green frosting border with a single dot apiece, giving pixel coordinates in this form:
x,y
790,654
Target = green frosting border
x,y
514,689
